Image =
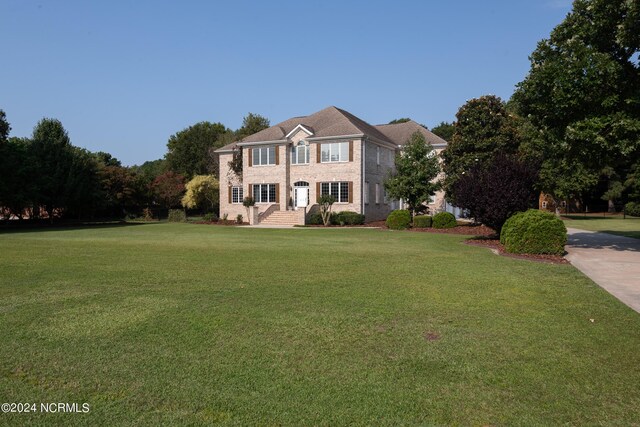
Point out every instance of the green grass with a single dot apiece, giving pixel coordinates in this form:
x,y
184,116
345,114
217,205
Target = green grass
x,y
194,324
629,227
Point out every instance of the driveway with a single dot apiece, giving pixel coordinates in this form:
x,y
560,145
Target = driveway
x,y
613,262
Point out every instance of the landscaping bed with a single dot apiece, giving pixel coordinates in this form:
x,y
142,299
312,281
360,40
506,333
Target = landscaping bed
x,y
495,245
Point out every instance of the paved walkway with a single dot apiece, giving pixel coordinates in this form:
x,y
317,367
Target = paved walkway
x,y
613,262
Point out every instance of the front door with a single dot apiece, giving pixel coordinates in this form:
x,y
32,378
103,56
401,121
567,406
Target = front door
x,y
302,197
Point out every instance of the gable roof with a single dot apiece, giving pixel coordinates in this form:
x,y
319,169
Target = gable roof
x,y
333,121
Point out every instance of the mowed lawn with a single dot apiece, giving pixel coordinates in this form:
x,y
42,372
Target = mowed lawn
x,y
629,226
193,324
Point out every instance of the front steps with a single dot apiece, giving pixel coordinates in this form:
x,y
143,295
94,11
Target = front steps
x,y
284,218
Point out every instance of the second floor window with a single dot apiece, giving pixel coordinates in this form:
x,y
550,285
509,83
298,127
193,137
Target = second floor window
x,y
300,154
334,152
264,156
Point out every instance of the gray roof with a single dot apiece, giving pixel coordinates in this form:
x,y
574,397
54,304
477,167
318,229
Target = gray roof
x,y
400,133
333,121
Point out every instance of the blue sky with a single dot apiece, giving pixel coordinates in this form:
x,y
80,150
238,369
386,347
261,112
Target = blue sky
x,y
124,76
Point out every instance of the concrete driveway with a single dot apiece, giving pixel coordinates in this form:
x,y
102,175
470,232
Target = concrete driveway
x,y
613,262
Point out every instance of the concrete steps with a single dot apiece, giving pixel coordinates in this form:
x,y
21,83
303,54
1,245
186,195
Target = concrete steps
x,y
283,218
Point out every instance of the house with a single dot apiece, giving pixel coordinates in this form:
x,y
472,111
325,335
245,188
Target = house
x,y
286,167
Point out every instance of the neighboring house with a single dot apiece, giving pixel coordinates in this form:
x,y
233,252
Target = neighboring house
x,y
288,166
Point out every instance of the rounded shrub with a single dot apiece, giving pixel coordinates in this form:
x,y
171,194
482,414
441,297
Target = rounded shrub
x,y
399,219
349,218
444,220
422,221
534,232
632,209
177,215
210,217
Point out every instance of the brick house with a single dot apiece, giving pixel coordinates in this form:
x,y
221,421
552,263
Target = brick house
x,y
288,166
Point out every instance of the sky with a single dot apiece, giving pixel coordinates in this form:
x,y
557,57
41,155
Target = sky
x,y
123,76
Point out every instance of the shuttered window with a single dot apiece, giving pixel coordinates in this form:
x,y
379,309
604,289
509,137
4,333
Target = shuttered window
x,y
263,156
339,190
236,195
264,193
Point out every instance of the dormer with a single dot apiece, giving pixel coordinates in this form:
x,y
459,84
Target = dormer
x,y
299,133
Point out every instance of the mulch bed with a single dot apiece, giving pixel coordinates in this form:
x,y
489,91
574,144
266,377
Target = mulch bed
x,y
499,247
471,230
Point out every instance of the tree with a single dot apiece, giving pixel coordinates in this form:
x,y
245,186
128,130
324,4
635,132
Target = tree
x,y
17,190
582,94
150,169
444,130
53,158
251,123
168,189
122,189
483,128
417,168
401,120
325,202
203,193
188,150
106,159
494,191
5,128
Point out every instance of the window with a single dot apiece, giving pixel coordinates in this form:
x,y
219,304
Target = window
x,y
264,193
366,192
236,195
339,190
378,155
334,152
385,198
544,204
377,193
264,156
300,154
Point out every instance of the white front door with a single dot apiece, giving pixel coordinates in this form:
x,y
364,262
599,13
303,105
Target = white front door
x,y
302,197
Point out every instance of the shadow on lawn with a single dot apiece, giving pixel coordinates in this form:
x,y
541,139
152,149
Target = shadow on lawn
x,y
603,240
64,226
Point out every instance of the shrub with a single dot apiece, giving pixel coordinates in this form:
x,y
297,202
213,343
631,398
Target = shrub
x,y
210,217
314,219
399,220
349,218
422,221
177,215
239,219
444,220
147,215
248,202
632,209
225,217
534,232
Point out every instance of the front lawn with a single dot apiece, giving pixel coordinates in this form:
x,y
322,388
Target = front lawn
x,y
191,324
629,227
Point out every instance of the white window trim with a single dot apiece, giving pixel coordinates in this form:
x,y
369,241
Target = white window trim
x,y
240,191
338,202
334,161
377,193
307,157
253,156
377,155
261,202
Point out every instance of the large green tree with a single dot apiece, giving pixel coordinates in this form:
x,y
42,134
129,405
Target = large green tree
x,y
483,128
53,159
251,123
414,179
444,130
582,95
188,150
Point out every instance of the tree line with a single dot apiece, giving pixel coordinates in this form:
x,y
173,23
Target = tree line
x,y
45,176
